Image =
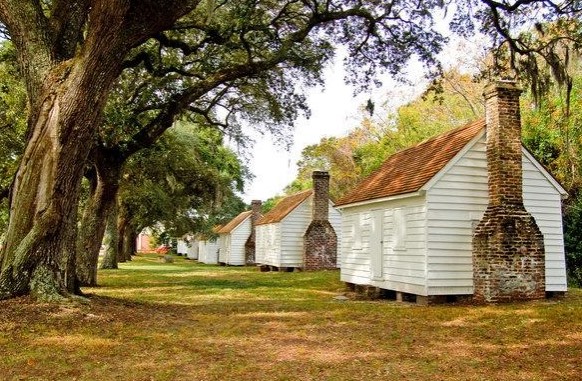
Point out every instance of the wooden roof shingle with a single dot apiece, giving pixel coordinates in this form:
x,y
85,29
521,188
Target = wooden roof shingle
x,y
234,222
284,207
408,170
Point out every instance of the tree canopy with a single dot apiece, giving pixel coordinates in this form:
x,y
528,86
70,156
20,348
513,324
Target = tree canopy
x,y
182,181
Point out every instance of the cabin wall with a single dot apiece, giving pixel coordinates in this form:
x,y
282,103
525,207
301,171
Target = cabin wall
x,y
293,228
208,251
223,247
543,201
335,218
383,245
235,244
202,251
268,244
192,249
455,205
181,247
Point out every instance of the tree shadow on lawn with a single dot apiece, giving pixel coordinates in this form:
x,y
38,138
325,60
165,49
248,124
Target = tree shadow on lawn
x,y
208,323
231,337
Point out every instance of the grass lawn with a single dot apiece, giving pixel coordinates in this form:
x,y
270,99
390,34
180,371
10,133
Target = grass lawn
x,y
188,321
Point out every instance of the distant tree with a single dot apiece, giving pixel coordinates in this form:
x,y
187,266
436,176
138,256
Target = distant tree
x,y
351,157
180,183
457,102
335,155
13,111
552,133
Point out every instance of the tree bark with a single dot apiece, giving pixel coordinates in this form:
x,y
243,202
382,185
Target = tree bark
x,y
128,240
110,259
122,226
37,257
101,201
69,60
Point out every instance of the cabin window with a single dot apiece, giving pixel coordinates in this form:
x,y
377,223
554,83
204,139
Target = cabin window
x,y
357,231
399,229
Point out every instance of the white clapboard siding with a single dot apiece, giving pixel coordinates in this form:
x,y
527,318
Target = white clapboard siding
x,y
182,247
268,244
456,203
202,251
281,244
549,219
208,251
335,219
260,246
293,228
355,258
403,258
192,251
235,244
451,220
223,247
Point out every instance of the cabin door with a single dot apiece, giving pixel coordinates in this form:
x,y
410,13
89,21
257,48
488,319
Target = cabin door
x,y
376,244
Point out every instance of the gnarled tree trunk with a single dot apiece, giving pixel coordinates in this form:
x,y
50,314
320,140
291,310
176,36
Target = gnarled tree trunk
x,y
110,259
39,251
101,201
70,53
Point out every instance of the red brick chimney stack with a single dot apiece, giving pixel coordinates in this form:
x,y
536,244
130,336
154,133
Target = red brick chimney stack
x,y
508,247
256,210
504,144
320,239
320,208
250,243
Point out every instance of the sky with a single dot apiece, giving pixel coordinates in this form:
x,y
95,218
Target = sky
x,y
335,111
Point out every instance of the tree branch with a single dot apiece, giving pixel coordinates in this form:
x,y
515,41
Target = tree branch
x,y
30,32
67,20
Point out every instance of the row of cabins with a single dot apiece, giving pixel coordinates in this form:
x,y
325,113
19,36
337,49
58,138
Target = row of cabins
x,y
467,213
299,232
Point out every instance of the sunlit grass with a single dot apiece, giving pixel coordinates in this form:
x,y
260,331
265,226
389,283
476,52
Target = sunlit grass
x,y
157,321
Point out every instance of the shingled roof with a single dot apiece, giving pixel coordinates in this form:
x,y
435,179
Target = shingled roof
x,y
234,222
284,207
408,170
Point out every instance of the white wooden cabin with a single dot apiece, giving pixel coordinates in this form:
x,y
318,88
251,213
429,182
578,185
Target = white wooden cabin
x,y
192,249
408,227
232,239
208,247
188,247
208,251
280,232
181,247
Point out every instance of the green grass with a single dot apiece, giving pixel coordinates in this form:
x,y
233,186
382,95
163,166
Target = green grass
x,y
188,321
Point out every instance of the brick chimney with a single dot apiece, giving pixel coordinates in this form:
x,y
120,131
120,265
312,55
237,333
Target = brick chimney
x,y
320,240
508,247
250,243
